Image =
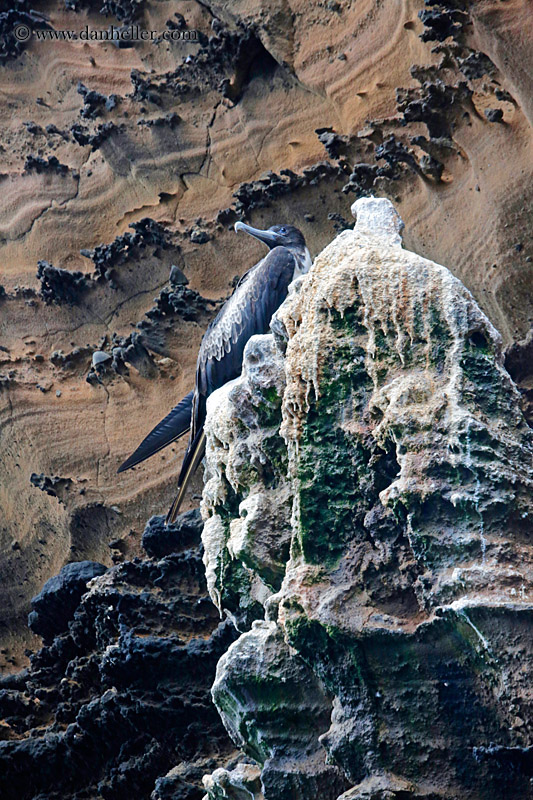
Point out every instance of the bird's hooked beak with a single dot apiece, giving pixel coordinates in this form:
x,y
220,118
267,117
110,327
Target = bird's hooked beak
x,y
270,238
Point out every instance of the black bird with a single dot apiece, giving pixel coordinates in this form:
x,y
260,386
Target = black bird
x,y
248,311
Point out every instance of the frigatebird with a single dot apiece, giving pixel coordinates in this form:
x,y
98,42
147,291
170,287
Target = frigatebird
x,y
248,311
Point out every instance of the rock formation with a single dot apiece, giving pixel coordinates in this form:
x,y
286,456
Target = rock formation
x,y
374,443
121,164
117,703
123,171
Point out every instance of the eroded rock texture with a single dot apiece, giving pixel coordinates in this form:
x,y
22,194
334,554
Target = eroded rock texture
x,y
123,167
123,171
117,704
404,608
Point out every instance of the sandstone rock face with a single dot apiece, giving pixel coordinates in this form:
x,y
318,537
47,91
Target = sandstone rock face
x,y
125,168
405,604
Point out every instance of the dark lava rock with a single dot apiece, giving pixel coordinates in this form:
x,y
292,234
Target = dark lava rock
x,y
334,143
17,12
55,486
106,257
161,540
227,216
100,363
121,697
170,120
442,22
362,178
260,193
395,152
69,360
40,165
199,237
339,222
432,166
34,129
7,378
519,364
177,278
54,606
178,301
123,10
132,350
83,137
178,23
494,114
148,231
503,95
26,292
144,89
94,103
475,65
434,104
507,759
53,130
221,64
61,285
180,785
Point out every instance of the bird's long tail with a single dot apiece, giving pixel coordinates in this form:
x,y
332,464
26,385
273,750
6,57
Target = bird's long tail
x,y
165,432
191,461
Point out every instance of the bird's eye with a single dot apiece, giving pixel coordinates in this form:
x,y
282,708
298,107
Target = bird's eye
x,y
283,230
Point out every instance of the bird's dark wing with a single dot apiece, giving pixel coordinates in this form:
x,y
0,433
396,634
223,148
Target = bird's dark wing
x,y
168,430
247,312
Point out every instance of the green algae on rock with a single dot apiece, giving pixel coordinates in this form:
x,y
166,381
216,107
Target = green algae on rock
x,y
405,494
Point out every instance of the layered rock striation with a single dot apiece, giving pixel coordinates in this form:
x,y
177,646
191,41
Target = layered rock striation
x,y
121,165
368,521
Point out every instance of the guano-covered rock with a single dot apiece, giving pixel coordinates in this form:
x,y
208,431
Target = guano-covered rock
x,y
369,495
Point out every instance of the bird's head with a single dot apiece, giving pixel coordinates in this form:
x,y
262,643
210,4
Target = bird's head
x,y
276,236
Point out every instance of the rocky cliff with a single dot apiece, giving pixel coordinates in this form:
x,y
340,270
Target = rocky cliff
x,y
381,540
121,162
123,171
117,703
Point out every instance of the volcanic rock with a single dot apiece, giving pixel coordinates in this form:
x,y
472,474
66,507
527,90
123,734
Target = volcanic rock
x,y
406,479
117,704
54,606
238,107
161,540
61,285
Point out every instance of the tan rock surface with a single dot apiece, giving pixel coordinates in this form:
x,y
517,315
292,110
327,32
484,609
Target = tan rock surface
x,y
306,66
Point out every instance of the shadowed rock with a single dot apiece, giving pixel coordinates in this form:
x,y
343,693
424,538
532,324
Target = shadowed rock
x,y
54,486
61,285
54,606
117,704
161,540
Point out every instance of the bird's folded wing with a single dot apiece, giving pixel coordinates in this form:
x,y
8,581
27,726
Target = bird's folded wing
x,y
165,432
247,312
